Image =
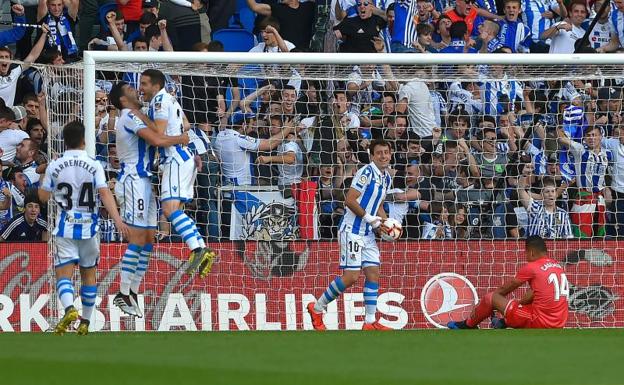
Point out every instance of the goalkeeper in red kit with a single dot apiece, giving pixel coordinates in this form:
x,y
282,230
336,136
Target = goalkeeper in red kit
x,y
545,304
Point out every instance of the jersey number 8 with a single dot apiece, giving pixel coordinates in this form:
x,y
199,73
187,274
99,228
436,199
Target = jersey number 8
x,y
86,198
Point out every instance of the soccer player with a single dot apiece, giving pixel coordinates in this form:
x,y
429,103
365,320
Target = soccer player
x,y
358,249
137,139
179,170
545,305
75,180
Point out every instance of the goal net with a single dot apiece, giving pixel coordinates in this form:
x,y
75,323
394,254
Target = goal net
x,y
477,166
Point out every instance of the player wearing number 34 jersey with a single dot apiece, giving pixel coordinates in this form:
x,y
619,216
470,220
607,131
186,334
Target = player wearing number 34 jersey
x,y
545,304
75,181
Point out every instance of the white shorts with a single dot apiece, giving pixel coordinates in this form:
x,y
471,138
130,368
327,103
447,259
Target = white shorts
x,y
84,252
357,251
137,203
178,181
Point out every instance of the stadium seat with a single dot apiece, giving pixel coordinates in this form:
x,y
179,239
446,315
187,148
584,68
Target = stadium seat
x,y
244,17
102,11
234,40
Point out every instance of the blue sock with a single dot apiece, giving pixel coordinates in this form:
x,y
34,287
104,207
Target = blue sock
x,y
129,263
335,288
87,296
65,290
139,273
371,290
184,227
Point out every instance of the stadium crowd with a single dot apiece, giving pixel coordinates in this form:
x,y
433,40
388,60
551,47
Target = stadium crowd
x,y
471,159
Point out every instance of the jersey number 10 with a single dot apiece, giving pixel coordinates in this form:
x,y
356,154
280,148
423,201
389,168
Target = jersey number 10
x,y
562,288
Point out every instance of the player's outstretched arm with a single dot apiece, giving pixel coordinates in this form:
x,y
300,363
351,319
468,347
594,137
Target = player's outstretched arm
x,y
109,204
159,140
508,287
44,195
353,205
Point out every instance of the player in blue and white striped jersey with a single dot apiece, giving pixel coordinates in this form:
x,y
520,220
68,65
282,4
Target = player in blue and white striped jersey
x,y
74,181
137,139
545,218
179,171
358,248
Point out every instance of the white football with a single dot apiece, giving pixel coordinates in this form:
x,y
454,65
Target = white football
x,y
392,230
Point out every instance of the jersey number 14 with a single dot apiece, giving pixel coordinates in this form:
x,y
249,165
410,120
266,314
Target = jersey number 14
x,y
562,288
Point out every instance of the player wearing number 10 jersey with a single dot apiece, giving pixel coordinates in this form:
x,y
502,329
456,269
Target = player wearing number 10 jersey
x,y
75,180
136,137
545,304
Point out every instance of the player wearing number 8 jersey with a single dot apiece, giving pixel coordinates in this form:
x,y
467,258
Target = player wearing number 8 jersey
x,y
545,304
178,169
136,137
358,248
75,180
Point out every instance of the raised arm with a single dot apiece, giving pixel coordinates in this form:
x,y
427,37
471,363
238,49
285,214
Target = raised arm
x,y
262,9
42,9
523,184
119,43
275,140
37,48
72,8
563,138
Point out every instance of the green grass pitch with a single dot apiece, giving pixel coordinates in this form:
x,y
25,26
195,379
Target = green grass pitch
x,y
446,357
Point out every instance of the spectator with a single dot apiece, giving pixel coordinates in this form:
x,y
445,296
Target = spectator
x,y
442,35
158,38
6,200
289,160
424,42
131,10
513,33
10,73
564,34
184,22
403,28
415,100
272,40
545,218
617,20
233,150
21,119
591,163
25,159
28,226
540,15
488,34
466,11
439,227
9,137
361,33
458,33
330,198
17,187
62,22
38,134
296,19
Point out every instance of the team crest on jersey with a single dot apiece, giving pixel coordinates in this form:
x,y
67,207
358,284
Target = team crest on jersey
x,y
363,180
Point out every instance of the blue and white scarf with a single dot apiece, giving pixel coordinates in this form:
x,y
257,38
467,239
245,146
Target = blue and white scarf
x,y
60,30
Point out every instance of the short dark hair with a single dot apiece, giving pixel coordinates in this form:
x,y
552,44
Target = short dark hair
x,y
31,197
148,18
590,129
32,122
269,20
152,31
424,29
389,94
7,113
549,181
30,97
215,46
378,142
155,76
73,134
116,93
536,243
458,30
140,40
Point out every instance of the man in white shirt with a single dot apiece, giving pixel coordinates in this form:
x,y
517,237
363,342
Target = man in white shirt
x,y
273,42
564,34
234,150
9,137
415,101
289,158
